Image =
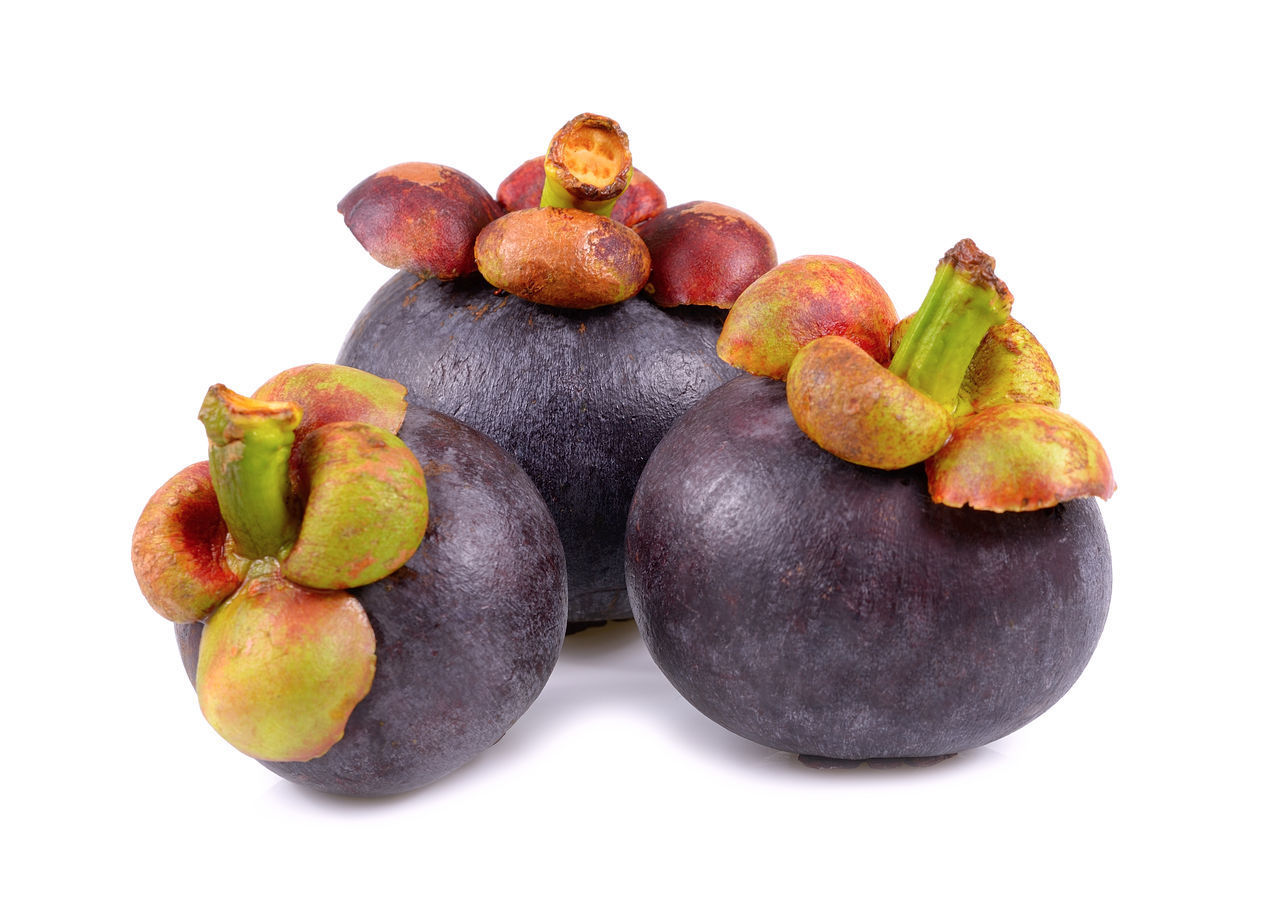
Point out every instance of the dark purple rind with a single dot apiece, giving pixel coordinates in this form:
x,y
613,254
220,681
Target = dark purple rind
x,y
579,397
826,609
467,631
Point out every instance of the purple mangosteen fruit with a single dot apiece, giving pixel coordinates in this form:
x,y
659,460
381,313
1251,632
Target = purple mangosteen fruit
x,y
366,594
549,350
848,565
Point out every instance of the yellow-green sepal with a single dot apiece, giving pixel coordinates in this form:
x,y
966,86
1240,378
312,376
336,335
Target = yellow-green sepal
x,y
854,408
366,507
1018,457
282,666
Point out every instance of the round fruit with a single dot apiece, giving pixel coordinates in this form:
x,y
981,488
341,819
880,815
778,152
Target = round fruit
x,y
833,610
579,397
467,631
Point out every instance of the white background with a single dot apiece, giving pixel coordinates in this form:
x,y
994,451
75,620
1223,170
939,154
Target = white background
x,y
170,173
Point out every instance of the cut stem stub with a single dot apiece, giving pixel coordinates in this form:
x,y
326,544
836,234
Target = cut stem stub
x,y
588,165
249,445
964,301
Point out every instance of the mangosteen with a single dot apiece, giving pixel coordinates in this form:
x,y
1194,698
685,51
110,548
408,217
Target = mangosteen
x,y
579,397
366,608
550,352
908,604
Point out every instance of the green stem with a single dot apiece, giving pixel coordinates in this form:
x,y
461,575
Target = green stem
x,y
588,165
964,301
249,445
554,194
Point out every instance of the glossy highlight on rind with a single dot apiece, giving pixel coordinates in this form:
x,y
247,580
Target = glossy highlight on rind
x,y
833,610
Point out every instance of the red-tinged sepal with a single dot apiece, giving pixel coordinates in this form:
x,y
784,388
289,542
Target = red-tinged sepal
x,y
704,254
1009,366
799,301
332,393
420,217
180,550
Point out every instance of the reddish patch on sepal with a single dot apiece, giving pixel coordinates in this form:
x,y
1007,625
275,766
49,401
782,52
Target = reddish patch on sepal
x,y
366,507
180,548
1018,457
705,254
522,189
420,217
796,303
332,393
282,666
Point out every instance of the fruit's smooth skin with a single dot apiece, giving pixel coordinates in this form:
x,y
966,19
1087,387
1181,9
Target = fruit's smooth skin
x,y
467,631
579,397
833,610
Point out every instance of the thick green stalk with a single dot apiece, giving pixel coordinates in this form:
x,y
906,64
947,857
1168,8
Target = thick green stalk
x,y
249,445
964,301
555,195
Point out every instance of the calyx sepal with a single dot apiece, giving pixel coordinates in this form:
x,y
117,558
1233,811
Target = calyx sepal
x,y
263,540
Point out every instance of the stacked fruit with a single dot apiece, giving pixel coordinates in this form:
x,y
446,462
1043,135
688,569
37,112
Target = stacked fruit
x,y
823,607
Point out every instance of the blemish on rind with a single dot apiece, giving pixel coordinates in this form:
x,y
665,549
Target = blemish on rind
x,y
432,468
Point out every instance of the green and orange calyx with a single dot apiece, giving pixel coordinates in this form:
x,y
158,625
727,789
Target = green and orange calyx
x,y
968,391
263,541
